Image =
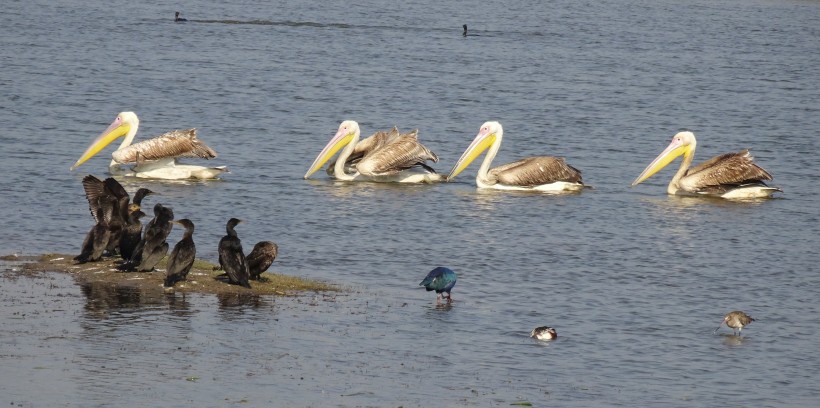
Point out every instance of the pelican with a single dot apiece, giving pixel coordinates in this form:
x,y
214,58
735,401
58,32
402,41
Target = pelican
x,y
156,157
401,160
731,175
539,173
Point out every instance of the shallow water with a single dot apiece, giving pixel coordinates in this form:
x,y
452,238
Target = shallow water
x,y
634,281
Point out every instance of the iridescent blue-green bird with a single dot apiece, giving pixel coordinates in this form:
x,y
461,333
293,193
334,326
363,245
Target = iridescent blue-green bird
x,y
441,280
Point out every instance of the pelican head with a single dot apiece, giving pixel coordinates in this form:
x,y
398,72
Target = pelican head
x,y
490,133
125,124
348,131
683,143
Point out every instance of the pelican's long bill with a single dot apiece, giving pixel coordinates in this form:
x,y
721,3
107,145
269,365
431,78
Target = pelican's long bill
x,y
341,139
483,140
675,149
117,129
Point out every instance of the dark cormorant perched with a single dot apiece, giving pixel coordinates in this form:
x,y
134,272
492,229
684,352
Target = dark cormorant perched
x,y
110,190
97,238
152,247
177,18
441,280
182,256
231,257
132,234
260,258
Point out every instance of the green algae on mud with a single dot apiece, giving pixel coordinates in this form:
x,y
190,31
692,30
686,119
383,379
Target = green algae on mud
x,y
201,279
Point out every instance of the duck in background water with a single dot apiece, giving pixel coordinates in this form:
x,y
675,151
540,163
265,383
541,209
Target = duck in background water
x,y
544,333
178,19
442,281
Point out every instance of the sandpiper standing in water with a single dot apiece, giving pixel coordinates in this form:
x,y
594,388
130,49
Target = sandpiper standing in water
x,y
736,320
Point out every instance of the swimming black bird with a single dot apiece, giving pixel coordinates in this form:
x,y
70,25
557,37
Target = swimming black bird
x,y
177,18
441,280
465,32
152,247
97,238
231,257
132,234
182,256
260,258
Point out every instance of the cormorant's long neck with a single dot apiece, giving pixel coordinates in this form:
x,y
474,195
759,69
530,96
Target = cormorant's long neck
x,y
231,232
482,178
339,168
189,233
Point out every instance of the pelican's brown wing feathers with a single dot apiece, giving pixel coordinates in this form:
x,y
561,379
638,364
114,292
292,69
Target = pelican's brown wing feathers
x,y
174,144
402,153
730,169
535,171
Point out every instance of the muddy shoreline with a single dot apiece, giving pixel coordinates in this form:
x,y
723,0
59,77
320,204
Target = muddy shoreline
x,y
202,278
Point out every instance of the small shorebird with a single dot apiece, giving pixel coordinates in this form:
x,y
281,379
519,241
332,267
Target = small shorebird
x,y
736,320
544,333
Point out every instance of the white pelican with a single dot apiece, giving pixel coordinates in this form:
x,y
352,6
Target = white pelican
x,y
731,175
154,158
538,173
401,160
366,146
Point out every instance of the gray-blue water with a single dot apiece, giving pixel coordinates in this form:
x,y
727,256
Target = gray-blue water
x,y
633,280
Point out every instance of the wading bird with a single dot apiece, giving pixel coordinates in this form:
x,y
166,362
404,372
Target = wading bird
x,y
441,280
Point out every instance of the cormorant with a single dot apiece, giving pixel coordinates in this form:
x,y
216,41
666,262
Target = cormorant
x,y
182,256
98,191
231,257
177,18
97,238
260,258
152,247
441,280
132,234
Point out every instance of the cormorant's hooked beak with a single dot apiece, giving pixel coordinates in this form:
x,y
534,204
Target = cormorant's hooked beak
x,y
117,129
342,138
675,149
483,140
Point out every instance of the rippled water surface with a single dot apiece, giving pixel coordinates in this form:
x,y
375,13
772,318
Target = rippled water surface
x,y
634,281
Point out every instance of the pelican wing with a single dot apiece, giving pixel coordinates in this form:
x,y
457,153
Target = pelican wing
x,y
401,154
174,144
726,170
366,146
535,171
